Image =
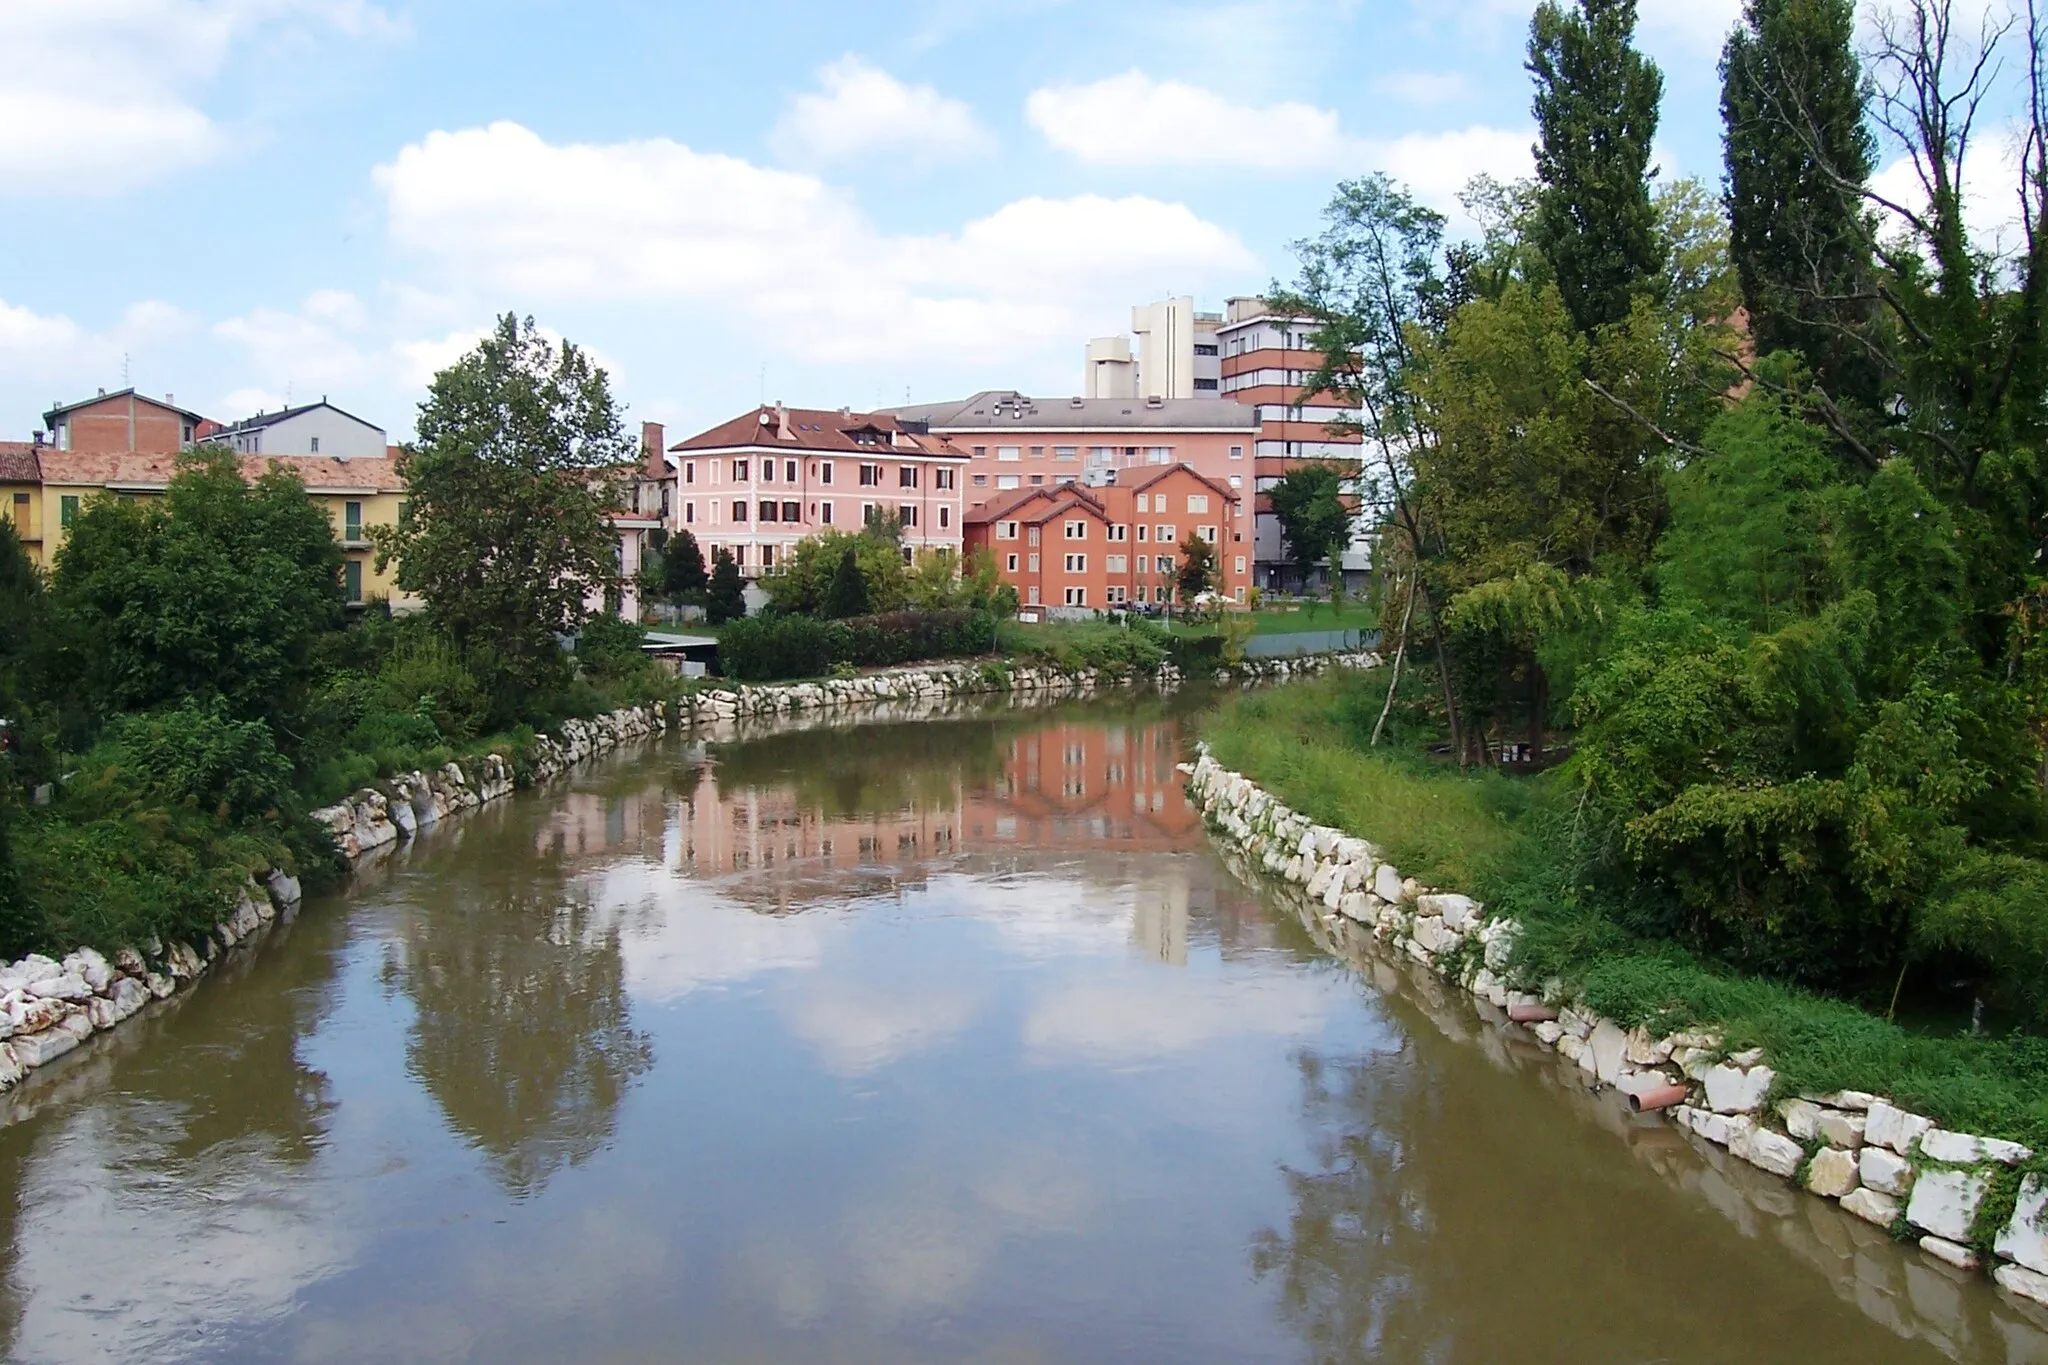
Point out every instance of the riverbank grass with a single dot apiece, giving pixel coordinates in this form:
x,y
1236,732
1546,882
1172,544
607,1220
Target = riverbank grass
x,y
1511,842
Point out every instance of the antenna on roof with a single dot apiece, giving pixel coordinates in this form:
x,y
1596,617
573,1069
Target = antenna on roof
x,y
124,369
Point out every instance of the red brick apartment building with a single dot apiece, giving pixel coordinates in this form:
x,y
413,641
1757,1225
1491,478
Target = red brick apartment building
x,y
1072,547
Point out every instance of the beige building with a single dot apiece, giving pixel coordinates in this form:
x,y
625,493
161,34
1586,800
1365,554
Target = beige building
x,y
1176,355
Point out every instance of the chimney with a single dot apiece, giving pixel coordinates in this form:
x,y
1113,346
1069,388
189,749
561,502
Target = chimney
x,y
651,444
782,431
171,398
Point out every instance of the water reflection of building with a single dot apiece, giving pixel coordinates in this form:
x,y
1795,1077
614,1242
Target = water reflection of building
x,y
1072,786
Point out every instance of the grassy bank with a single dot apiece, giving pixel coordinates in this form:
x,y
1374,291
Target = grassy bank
x,y
1516,844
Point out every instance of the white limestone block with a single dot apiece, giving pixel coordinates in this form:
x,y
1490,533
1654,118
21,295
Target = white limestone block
x,y
1731,1091
1458,912
1549,1032
2025,1238
1965,1150
1871,1206
1774,1152
1844,1099
1842,1128
1832,1173
1890,1126
1885,1171
1608,1044
1802,1119
1945,1202
64,986
90,967
1386,883
2023,1282
1961,1257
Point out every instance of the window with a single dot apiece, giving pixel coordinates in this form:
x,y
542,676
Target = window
x,y
1007,481
1077,563
352,580
980,452
1010,563
789,471
825,514
981,480
739,511
907,514
1100,455
792,511
1118,532
739,471
1031,563
1009,453
1158,454
867,513
1066,452
1033,598
824,471
1077,530
689,513
767,471
870,476
1116,595
1237,452
739,556
1077,597
1165,535
351,521
1006,530
1240,564
1164,563
944,478
1205,385
1198,502
1144,502
945,517
1038,452
1115,564
1236,481
1142,529
1031,535
906,476
1207,533
906,554
768,512
689,471
67,510
714,471
315,450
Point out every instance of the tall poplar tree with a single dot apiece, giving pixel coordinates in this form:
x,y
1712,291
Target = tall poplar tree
x,y
1596,115
1795,136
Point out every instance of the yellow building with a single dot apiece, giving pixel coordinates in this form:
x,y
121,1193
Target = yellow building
x,y
357,494
21,487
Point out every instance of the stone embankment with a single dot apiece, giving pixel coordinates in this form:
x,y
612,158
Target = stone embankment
x,y
48,1007
1875,1159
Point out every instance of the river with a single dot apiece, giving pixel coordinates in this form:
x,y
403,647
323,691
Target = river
x,y
902,1042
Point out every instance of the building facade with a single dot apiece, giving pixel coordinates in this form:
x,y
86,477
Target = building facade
x,y
311,429
759,483
21,495
356,495
124,423
1075,549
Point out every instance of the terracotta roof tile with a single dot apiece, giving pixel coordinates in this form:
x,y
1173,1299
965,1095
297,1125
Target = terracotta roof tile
x,y
18,462
815,429
320,473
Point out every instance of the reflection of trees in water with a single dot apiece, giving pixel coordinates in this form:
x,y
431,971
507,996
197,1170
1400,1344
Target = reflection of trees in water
x,y
523,1033
1350,1263
203,1098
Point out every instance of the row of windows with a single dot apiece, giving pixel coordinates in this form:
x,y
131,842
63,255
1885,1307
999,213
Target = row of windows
x,y
870,475
793,512
1163,533
1097,455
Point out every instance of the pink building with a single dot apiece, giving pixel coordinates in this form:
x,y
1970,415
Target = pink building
x,y
1013,442
770,477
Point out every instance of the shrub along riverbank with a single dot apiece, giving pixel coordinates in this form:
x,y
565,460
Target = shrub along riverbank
x,y
1523,846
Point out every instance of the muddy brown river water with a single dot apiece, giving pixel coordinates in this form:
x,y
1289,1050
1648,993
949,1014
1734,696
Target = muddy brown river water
x,y
903,1042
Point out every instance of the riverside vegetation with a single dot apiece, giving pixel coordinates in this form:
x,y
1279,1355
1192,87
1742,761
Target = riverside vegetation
x,y
186,686
1747,498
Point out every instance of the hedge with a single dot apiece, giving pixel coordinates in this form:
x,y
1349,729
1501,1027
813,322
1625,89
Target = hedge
x,y
768,648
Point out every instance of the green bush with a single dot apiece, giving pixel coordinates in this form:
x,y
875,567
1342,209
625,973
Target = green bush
x,y
766,648
1102,646
192,756
1195,653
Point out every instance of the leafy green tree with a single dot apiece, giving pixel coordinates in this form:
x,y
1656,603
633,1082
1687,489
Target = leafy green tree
x,y
510,485
801,583
1792,107
682,567
727,600
848,593
221,588
1195,574
1309,505
1596,117
933,583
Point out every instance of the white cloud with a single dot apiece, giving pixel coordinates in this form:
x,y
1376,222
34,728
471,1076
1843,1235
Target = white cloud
x,y
499,210
1135,1019
1672,29
54,347
105,94
314,349
1436,166
861,112
1134,120
1990,176
858,1028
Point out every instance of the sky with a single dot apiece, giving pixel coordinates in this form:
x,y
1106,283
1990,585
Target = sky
x,y
826,202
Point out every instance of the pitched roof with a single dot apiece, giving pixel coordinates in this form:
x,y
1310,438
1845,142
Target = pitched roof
x,y
816,429
1006,409
62,408
320,473
1191,471
18,462
1013,499
269,419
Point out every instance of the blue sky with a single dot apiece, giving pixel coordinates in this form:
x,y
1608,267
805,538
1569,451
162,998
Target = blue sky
x,y
826,202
